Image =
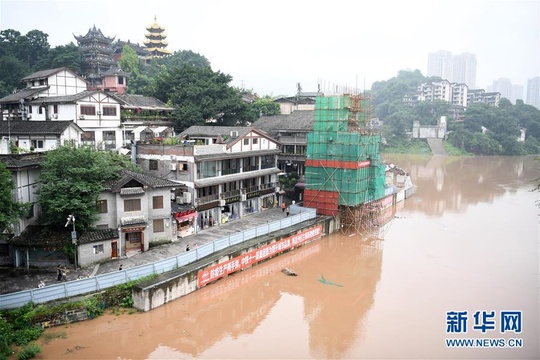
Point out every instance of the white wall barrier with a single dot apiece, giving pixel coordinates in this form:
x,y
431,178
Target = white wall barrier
x,y
104,281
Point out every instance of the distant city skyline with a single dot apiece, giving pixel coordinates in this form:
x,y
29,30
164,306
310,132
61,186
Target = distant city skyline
x,y
459,69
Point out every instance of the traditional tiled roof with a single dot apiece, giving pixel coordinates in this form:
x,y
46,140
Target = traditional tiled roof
x,y
17,161
225,132
132,101
20,127
63,99
36,236
43,74
98,235
145,179
22,94
115,70
300,120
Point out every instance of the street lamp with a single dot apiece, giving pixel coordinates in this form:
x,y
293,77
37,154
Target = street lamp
x,y
71,219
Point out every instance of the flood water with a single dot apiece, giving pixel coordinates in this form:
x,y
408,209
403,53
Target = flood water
x,y
467,241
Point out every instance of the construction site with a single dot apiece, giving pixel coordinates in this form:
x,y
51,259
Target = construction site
x,y
344,174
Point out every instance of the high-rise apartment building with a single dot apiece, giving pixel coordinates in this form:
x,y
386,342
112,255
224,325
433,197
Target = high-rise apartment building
x,y
533,92
440,64
504,87
456,69
464,69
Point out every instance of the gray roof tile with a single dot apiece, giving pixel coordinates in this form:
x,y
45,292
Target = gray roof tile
x,y
20,127
300,120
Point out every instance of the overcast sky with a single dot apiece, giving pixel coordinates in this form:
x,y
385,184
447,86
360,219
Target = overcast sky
x,y
269,46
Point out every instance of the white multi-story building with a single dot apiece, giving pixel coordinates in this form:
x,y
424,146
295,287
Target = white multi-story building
x,y
481,96
223,173
455,94
62,95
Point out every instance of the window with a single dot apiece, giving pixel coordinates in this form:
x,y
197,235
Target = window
x,y
30,109
102,206
40,110
88,110
246,141
120,80
132,205
182,166
98,249
37,144
55,109
153,164
109,110
158,226
157,202
102,226
255,141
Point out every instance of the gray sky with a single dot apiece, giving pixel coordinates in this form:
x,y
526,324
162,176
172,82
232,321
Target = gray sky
x,y
269,46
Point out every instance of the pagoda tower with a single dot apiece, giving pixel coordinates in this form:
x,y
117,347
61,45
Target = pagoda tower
x,y
155,41
97,51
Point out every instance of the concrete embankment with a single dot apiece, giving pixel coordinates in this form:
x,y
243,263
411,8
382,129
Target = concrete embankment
x,y
187,279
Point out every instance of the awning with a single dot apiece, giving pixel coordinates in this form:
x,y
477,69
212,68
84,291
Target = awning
x,y
181,216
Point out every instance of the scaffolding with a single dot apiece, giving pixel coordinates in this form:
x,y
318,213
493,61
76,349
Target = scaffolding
x,y
345,177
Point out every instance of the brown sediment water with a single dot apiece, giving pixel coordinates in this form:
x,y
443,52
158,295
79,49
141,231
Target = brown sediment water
x,y
466,241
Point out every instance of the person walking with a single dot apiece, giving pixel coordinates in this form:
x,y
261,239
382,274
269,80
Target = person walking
x,y
59,272
288,211
283,206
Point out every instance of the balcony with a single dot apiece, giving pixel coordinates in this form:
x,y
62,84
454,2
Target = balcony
x,y
207,199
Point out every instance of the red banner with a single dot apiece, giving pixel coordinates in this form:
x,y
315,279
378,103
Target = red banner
x,y
240,262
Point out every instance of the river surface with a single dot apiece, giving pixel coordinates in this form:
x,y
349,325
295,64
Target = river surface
x,y
468,240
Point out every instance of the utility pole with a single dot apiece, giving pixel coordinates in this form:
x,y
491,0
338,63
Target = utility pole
x,y
71,219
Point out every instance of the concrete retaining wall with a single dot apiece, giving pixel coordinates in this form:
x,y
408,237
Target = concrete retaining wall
x,y
178,283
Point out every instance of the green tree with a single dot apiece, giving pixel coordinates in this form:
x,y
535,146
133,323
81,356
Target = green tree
x,y
201,96
62,56
129,62
11,209
71,180
265,106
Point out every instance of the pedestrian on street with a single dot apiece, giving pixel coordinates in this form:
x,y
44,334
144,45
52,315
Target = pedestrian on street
x,y
283,206
41,284
59,272
120,268
187,247
288,211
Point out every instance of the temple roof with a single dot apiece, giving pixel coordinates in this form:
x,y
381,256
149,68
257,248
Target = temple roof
x,y
94,34
155,26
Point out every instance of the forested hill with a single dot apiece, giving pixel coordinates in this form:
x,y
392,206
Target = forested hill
x,y
485,130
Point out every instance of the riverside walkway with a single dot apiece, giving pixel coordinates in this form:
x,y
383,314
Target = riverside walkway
x,y
12,280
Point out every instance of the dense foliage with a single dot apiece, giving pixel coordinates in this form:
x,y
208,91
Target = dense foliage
x,y
21,55
71,180
11,209
485,130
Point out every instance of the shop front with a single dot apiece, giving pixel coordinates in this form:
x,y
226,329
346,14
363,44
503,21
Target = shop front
x,y
186,222
133,238
231,210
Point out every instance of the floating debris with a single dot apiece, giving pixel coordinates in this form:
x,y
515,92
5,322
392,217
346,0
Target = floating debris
x,y
288,272
324,281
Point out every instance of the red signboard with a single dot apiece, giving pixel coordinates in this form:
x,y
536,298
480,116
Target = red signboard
x,y
240,262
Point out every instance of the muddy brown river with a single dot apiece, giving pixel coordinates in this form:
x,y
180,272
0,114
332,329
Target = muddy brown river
x,y
454,275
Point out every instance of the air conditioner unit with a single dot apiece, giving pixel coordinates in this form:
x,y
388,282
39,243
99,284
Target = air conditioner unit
x,y
81,117
172,166
243,197
221,202
55,116
187,198
179,200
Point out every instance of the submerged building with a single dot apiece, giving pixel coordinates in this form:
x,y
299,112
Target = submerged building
x,y
344,175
